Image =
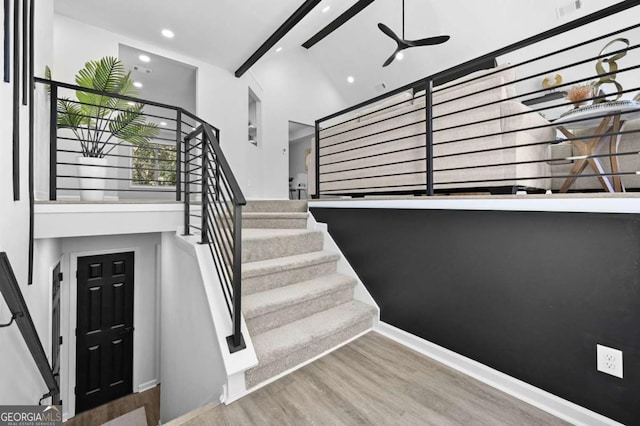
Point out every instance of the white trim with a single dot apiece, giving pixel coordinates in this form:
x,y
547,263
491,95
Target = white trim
x,y
576,204
237,396
72,311
57,208
142,387
360,291
539,398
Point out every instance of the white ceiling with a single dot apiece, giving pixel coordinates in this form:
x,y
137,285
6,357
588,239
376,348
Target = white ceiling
x,y
226,32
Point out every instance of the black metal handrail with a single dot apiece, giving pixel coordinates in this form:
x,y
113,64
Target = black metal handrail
x,y
152,175
20,314
389,148
204,182
208,178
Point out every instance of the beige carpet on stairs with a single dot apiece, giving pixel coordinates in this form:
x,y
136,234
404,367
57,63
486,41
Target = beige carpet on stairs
x,y
296,305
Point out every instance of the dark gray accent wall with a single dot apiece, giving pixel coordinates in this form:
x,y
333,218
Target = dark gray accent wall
x,y
527,293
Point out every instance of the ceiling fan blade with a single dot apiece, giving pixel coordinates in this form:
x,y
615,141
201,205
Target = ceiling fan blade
x,y
429,41
393,56
389,60
390,33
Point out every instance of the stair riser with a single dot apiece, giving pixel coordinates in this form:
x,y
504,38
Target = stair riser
x,y
275,206
291,360
291,313
254,250
274,223
291,276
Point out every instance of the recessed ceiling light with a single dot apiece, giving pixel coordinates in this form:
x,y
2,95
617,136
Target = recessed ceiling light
x,y
326,9
168,33
400,56
350,79
137,84
144,58
279,49
163,123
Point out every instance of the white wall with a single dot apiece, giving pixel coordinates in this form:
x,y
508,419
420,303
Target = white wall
x,y
294,90
191,363
290,89
21,383
146,338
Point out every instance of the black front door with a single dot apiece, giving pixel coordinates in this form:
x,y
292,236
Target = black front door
x,y
55,329
104,343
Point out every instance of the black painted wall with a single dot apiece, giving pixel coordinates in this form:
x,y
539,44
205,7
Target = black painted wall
x,y
526,293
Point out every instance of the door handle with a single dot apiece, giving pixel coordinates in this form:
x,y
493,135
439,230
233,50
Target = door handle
x,y
127,330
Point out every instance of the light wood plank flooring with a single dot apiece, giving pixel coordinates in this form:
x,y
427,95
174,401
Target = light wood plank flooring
x,y
149,399
374,381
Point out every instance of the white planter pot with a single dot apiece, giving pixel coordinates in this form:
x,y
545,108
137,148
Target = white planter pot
x,y
91,175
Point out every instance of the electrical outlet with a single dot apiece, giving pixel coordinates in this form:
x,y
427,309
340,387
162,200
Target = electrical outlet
x,y
609,360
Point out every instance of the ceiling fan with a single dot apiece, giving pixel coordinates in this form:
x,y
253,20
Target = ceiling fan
x,y
405,44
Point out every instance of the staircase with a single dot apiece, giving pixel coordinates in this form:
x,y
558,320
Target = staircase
x,y
295,304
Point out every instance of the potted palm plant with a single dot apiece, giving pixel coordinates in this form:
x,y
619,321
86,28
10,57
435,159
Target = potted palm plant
x,y
101,123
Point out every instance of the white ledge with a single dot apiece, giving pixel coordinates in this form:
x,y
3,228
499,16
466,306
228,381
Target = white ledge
x,y
582,203
68,219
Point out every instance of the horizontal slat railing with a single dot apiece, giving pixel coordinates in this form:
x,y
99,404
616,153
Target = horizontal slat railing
x,y
212,188
450,134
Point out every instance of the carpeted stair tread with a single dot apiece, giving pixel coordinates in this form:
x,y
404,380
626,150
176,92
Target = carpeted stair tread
x,y
263,244
279,342
257,234
281,264
276,206
275,215
265,302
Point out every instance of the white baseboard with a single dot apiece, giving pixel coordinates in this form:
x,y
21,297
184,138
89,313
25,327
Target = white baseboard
x,y
539,398
148,385
233,398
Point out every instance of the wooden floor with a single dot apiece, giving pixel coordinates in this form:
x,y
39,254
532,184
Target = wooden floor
x,y
376,381
149,399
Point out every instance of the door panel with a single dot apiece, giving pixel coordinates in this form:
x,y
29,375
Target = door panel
x,y
104,343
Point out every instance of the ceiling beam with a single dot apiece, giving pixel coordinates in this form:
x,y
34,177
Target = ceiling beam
x,y
337,23
291,22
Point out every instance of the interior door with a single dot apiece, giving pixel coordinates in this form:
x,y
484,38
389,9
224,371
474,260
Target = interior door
x,y
55,329
104,342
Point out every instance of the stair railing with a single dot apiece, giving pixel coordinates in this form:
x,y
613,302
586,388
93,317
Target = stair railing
x,y
189,164
210,183
20,315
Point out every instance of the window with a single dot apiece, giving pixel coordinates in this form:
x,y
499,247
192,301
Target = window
x,y
154,164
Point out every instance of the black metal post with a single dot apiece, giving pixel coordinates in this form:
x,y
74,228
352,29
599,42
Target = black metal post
x,y
16,100
187,186
317,161
235,341
217,168
179,156
53,143
428,129
25,52
32,115
7,41
204,237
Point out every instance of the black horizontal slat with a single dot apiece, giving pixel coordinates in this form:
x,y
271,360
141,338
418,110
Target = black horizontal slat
x,y
372,155
372,134
535,92
393,163
373,144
